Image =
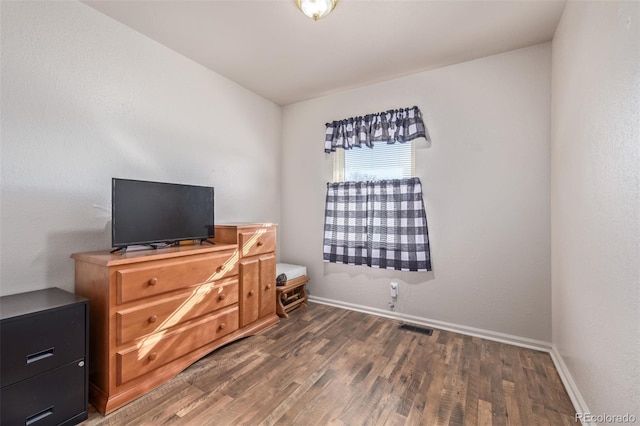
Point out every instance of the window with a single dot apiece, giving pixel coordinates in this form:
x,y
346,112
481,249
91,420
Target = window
x,y
384,161
374,212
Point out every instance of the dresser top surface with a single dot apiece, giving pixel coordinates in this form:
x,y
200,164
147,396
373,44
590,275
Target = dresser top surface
x,y
107,258
245,227
32,302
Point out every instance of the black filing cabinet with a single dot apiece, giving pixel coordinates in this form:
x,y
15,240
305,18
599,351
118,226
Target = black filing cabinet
x,y
43,358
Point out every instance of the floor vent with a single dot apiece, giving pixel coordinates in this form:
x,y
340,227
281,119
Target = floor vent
x,y
416,329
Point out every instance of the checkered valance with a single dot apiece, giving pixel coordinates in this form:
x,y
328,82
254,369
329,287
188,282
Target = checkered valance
x,y
399,125
381,224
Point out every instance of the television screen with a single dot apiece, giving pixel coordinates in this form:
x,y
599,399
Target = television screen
x,y
155,212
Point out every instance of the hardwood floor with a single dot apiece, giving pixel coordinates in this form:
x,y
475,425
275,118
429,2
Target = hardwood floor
x,y
326,365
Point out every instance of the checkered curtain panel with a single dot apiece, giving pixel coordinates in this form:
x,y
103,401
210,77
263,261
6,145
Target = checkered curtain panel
x,y
400,125
381,224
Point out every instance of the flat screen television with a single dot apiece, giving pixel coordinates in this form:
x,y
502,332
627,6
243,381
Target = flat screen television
x,y
155,212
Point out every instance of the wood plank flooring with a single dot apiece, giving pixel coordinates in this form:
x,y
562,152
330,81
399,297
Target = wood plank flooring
x,y
329,366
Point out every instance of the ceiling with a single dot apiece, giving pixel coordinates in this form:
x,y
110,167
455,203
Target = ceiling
x,y
272,49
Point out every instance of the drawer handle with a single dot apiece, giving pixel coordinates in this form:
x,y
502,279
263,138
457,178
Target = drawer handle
x,y
222,296
153,281
222,326
153,356
38,416
251,292
39,356
260,243
153,318
268,286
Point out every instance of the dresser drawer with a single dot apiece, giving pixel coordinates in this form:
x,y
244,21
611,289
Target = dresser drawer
x,y
163,314
257,242
160,348
167,275
36,343
52,398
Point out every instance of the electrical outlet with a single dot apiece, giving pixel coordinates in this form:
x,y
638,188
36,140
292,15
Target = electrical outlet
x,y
394,289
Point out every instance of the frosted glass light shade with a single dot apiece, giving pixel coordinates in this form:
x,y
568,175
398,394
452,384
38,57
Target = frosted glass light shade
x,y
316,9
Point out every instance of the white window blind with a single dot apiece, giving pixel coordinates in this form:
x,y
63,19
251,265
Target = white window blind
x,y
383,161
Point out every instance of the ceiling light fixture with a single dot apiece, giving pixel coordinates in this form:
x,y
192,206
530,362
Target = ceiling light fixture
x,y
316,9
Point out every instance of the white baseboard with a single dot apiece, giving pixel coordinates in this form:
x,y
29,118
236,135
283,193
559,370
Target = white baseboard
x,y
524,342
574,394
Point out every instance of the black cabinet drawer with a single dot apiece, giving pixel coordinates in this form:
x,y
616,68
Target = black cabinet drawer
x,y
36,343
52,398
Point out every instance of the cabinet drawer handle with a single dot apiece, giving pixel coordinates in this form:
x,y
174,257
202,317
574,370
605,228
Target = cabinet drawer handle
x,y
153,318
153,281
222,296
260,243
251,292
222,326
268,286
39,356
38,416
153,356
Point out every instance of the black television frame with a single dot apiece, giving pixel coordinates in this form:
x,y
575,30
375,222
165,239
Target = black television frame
x,y
122,246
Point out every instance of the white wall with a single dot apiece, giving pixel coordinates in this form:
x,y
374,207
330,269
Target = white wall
x,y
486,189
85,99
595,200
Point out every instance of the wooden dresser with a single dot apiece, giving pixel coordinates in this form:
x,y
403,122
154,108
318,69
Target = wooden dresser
x,y
155,312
